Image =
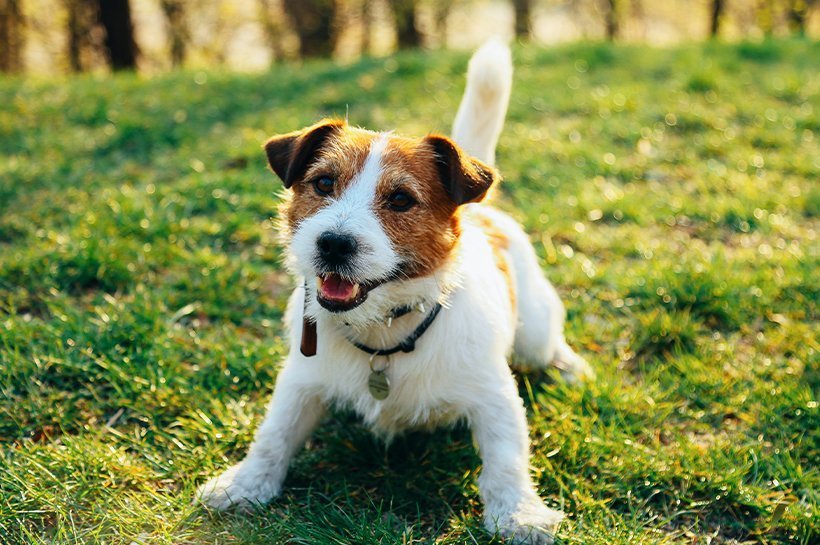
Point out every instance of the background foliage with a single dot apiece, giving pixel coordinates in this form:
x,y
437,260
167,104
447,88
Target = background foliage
x,y
44,37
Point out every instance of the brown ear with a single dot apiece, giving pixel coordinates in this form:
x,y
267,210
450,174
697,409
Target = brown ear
x,y
466,179
290,154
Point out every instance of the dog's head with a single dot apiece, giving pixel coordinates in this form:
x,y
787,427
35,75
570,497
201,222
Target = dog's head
x,y
367,209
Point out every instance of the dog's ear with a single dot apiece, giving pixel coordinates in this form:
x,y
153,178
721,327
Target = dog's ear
x,y
290,154
466,179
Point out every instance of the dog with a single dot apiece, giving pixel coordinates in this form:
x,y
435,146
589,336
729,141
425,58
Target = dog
x,y
411,297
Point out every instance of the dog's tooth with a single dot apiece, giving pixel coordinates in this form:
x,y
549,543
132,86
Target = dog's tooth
x,y
420,307
389,321
355,291
319,282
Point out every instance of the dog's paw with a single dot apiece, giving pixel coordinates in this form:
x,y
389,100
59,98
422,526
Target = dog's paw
x,y
531,524
236,487
573,368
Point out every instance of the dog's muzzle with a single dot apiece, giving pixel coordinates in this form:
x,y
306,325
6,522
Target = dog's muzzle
x,y
336,289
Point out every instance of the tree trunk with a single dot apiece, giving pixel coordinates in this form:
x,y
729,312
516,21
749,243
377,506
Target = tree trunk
x,y
11,36
717,15
523,19
766,17
74,37
406,21
611,20
178,35
82,18
120,47
313,23
638,15
367,26
441,15
798,13
271,20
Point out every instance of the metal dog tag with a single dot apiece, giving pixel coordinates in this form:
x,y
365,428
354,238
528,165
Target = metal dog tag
x,y
378,385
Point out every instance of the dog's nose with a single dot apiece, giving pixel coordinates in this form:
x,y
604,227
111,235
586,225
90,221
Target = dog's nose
x,y
336,249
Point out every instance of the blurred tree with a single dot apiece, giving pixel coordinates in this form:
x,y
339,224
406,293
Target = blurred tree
x,y
799,13
611,19
270,12
366,20
177,24
716,16
638,16
523,19
441,14
405,17
766,16
120,46
11,36
313,22
80,26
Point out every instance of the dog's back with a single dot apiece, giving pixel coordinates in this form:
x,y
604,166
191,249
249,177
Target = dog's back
x,y
539,338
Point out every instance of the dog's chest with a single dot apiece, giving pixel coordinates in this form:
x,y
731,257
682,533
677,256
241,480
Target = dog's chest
x,y
416,398
390,417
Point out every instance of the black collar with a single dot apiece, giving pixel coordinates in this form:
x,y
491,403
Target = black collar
x,y
408,344
403,310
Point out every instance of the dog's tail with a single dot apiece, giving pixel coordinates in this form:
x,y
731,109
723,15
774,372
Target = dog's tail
x,y
480,116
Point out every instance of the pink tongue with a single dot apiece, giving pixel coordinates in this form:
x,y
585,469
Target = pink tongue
x,y
335,288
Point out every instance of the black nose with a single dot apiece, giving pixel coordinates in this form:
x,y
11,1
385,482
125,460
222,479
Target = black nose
x,y
336,249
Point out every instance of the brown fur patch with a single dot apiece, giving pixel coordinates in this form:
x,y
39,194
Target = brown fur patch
x,y
500,244
290,154
425,235
341,158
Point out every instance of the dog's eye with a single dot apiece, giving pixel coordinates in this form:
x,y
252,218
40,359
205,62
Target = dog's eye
x,y
323,185
400,201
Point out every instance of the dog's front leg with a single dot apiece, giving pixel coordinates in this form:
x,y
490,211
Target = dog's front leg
x,y
511,506
292,415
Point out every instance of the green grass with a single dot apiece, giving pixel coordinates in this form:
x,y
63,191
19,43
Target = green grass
x,y
672,195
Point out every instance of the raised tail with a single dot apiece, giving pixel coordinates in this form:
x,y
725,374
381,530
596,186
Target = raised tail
x,y
480,116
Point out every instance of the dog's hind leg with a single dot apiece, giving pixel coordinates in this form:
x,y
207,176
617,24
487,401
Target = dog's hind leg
x,y
539,335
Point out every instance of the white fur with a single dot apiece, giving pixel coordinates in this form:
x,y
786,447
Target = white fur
x,y
458,370
480,116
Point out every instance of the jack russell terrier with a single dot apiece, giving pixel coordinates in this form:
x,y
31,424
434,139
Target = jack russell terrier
x,y
412,296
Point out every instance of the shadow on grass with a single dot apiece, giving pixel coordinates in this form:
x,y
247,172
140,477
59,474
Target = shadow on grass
x,y
348,484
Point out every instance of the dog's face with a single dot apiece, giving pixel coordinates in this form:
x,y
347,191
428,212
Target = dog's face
x,y
370,208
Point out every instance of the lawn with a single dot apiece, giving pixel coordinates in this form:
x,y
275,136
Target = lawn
x,y
671,194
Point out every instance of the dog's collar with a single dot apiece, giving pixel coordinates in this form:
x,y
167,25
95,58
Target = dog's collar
x,y
309,342
398,312
409,343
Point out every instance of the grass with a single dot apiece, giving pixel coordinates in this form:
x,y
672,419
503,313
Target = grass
x,y
672,195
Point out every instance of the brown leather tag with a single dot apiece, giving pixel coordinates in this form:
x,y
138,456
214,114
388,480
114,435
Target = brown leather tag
x,y
308,346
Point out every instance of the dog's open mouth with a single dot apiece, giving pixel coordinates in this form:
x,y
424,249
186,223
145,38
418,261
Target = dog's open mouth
x,y
337,294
